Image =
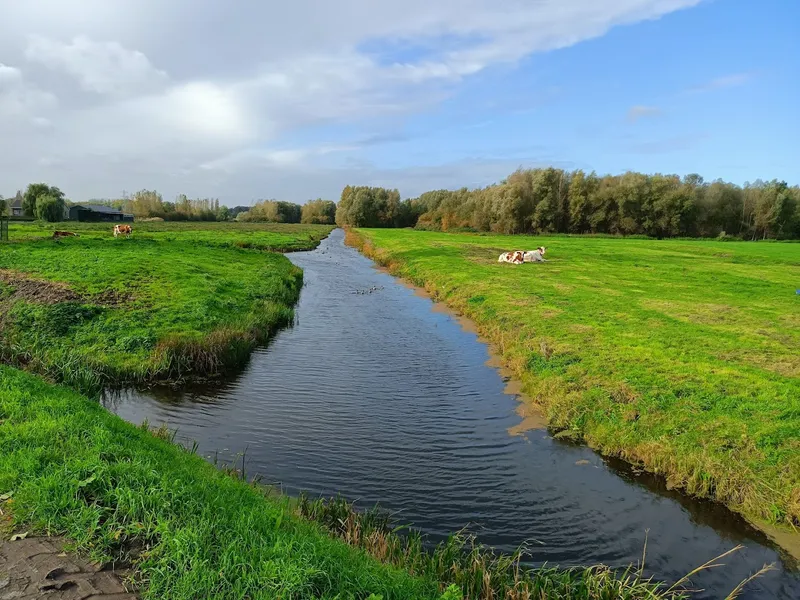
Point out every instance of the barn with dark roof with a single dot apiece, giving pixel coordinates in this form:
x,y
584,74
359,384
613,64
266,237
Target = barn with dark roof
x,y
97,212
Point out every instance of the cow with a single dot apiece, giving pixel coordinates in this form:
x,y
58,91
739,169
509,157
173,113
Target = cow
x,y
62,234
518,257
125,230
515,258
535,255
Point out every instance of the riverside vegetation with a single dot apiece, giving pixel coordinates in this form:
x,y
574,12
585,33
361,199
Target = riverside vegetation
x,y
186,301
680,356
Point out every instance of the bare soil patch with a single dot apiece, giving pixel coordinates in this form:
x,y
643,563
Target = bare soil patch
x,y
41,291
35,568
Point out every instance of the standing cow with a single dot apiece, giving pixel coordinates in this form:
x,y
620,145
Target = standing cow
x,y
125,230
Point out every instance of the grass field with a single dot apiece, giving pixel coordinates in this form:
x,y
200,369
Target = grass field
x,y
682,356
278,237
68,467
94,310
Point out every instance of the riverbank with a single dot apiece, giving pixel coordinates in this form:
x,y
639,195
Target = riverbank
x,y
663,353
126,496
94,311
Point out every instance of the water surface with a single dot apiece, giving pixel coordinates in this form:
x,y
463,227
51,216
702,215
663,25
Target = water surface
x,y
374,395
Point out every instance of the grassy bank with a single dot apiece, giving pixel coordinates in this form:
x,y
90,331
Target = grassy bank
x,y
94,310
69,467
682,356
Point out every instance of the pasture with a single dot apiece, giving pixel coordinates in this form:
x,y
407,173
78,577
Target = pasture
x,y
171,301
680,356
276,237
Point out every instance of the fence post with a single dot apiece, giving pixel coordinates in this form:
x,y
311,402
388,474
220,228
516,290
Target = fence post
x,y
3,229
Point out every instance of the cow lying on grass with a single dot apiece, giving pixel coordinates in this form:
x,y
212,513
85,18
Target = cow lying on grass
x,y
125,230
62,234
519,256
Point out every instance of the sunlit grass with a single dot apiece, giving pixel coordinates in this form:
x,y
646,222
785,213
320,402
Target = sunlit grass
x,y
161,305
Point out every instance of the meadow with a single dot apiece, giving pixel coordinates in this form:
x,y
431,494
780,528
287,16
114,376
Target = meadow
x,y
682,357
276,237
170,302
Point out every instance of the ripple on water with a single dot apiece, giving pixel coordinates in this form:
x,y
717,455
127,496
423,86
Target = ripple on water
x,y
382,399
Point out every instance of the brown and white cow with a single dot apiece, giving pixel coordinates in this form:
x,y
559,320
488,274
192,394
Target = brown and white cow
x,y
518,257
125,230
515,258
62,234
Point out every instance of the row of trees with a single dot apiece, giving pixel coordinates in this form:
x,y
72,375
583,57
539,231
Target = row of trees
x,y
49,203
363,206
150,204
557,201
529,201
277,211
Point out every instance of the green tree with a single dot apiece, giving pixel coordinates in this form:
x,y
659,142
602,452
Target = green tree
x,y
223,213
318,211
50,208
3,206
34,192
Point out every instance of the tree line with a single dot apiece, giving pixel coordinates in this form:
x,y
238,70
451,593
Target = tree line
x,y
553,200
277,211
49,203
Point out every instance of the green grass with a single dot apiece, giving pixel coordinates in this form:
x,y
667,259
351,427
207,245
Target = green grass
x,y
682,356
68,467
278,237
159,306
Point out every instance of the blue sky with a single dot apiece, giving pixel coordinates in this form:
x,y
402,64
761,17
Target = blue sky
x,y
294,101
714,89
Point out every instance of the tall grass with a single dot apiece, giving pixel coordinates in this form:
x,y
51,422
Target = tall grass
x,y
479,573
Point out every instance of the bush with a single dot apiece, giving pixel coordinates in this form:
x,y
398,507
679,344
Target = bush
x,y
49,208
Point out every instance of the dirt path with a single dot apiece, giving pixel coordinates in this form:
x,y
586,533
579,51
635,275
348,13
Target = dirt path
x,y
36,568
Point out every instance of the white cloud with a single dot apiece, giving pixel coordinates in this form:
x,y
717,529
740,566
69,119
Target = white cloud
x,y
640,112
100,67
146,92
19,100
726,81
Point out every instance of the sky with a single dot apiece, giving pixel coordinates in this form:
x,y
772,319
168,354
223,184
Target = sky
x,y
294,100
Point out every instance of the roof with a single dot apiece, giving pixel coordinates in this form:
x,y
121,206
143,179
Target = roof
x,y
99,208
16,203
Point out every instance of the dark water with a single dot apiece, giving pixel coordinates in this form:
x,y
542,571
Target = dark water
x,y
379,398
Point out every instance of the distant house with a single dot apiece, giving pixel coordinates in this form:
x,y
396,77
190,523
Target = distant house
x,y
15,209
97,212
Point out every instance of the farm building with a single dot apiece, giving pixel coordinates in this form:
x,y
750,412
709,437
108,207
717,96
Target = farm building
x,y
97,212
15,209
